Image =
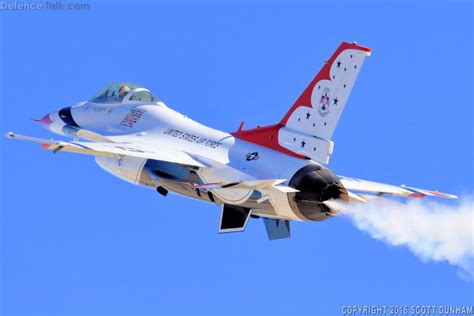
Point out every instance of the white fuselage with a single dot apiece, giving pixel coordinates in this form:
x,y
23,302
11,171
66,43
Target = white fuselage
x,y
158,126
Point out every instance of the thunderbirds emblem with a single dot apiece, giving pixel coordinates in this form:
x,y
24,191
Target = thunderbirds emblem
x,y
323,108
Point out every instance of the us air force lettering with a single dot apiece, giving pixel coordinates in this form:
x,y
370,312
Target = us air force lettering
x,y
277,173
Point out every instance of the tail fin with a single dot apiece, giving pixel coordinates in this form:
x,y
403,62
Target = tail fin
x,y
317,110
306,130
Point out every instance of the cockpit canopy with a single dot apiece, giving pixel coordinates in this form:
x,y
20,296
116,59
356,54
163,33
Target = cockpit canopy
x,y
124,93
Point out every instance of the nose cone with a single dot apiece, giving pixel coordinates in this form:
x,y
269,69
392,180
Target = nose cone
x,y
45,121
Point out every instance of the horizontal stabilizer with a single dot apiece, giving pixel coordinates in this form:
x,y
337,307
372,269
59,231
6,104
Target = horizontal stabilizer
x,y
277,228
353,184
423,192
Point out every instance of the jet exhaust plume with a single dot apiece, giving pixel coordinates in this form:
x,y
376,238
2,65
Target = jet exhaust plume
x,y
432,231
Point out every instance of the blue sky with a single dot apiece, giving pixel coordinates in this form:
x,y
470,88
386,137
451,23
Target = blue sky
x,y
77,241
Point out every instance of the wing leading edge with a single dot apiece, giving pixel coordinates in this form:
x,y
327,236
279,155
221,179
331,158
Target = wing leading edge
x,y
108,149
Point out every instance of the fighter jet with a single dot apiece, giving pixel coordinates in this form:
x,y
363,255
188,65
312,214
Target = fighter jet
x,y
276,172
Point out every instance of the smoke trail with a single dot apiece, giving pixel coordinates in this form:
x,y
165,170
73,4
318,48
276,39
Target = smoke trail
x,y
432,231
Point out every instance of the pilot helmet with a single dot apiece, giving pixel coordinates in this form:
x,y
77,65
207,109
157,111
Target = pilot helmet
x,y
123,90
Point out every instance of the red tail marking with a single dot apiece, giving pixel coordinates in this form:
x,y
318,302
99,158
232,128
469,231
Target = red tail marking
x,y
305,97
266,136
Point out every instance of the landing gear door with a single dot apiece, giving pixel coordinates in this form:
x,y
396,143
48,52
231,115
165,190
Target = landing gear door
x,y
233,218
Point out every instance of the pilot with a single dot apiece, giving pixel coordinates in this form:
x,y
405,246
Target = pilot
x,y
123,90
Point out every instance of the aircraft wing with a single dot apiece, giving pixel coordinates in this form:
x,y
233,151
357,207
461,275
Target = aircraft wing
x,y
230,176
109,149
353,184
